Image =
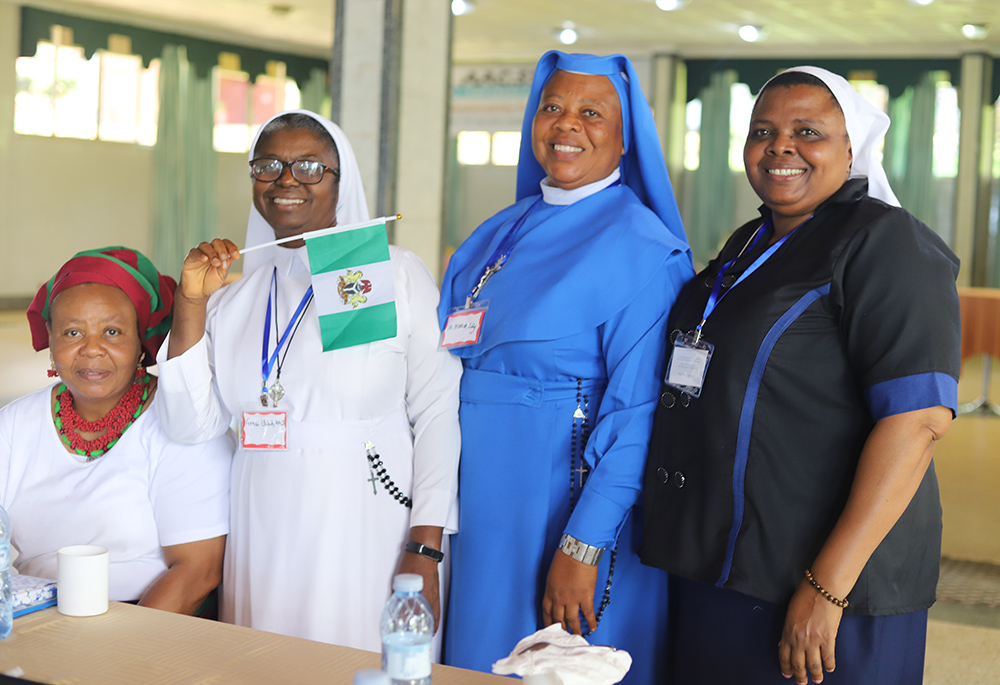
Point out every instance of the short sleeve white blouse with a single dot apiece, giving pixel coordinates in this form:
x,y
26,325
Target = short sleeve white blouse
x,y
146,493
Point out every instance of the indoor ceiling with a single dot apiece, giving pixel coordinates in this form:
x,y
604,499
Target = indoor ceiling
x,y
521,30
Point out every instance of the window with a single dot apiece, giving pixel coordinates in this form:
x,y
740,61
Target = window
x,y
113,97
506,148
476,148
740,110
692,134
62,93
473,147
242,105
946,131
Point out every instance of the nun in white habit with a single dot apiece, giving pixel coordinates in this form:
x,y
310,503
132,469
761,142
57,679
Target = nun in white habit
x,y
318,526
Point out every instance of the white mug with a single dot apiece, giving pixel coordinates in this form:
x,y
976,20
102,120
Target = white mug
x,y
82,580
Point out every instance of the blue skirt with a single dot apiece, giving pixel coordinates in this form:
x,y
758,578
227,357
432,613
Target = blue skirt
x,y
719,636
514,487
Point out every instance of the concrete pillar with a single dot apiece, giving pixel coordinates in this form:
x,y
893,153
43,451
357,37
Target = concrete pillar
x,y
390,87
975,150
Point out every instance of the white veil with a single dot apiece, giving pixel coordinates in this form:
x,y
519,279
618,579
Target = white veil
x,y
866,125
351,204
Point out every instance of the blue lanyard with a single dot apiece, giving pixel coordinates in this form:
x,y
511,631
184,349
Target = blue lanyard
x,y
716,297
267,362
499,256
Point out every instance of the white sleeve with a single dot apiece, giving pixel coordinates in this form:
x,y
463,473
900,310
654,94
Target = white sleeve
x,y
189,489
432,386
190,407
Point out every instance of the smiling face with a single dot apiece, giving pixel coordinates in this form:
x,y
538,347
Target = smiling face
x,y
577,131
797,153
94,337
288,206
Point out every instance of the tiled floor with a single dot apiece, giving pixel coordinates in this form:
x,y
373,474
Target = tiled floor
x,y
972,583
963,636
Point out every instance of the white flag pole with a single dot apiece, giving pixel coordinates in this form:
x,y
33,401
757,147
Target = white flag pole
x,y
322,232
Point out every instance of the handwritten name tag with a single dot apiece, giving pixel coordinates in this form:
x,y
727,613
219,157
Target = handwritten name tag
x,y
463,328
264,430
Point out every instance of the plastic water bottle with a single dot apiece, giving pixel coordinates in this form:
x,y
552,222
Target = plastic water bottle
x,y
407,631
372,678
6,607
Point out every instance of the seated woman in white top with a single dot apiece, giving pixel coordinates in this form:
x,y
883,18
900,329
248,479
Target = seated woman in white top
x,y
85,462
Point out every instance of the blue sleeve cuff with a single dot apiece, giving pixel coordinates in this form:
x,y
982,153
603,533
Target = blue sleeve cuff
x,y
911,393
596,520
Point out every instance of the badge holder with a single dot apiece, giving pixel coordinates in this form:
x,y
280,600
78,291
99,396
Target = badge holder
x,y
464,326
263,429
688,363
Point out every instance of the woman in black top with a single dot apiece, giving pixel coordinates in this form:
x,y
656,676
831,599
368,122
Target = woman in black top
x,y
790,489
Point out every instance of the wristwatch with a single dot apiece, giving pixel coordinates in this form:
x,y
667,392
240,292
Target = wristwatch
x,y
581,551
424,550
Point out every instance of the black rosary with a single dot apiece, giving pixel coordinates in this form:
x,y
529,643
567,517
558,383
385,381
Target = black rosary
x,y
380,474
606,600
580,473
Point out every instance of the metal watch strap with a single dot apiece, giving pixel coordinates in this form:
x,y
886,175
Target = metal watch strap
x,y
424,550
581,551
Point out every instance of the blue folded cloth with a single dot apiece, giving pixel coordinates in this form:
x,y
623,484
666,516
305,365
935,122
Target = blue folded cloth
x,y
31,594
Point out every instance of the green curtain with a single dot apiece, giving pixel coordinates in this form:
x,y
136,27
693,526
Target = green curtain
x,y
315,95
915,187
896,139
184,164
711,215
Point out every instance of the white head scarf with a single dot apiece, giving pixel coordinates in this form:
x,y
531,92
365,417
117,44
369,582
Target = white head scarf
x,y
866,125
351,205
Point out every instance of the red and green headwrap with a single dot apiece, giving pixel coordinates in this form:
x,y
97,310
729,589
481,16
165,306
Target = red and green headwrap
x,y
151,293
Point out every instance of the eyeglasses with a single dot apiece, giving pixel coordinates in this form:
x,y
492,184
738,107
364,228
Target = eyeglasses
x,y
303,170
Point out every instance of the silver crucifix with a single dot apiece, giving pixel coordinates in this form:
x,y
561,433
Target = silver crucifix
x,y
276,393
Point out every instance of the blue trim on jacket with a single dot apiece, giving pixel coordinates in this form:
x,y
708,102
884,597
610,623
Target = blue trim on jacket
x,y
746,419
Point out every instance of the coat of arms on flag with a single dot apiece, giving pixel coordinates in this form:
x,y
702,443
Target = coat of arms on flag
x,y
352,284
352,289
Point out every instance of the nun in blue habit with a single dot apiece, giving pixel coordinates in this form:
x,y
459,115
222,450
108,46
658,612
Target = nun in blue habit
x,y
558,309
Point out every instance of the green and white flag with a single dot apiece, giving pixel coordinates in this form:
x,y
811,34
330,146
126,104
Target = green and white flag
x,y
352,284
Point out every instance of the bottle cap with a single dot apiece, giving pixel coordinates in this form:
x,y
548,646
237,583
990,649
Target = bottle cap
x,y
408,582
372,678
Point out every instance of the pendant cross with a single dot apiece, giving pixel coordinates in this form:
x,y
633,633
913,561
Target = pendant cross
x,y
276,393
582,470
370,448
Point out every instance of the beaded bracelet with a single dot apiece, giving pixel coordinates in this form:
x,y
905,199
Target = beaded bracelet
x,y
842,603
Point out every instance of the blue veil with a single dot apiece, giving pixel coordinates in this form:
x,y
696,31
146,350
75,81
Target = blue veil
x,y
570,260
642,166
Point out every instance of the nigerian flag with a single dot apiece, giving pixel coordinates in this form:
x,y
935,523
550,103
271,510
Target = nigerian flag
x,y
352,284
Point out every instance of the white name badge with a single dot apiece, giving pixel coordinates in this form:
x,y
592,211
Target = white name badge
x,y
464,326
688,364
264,430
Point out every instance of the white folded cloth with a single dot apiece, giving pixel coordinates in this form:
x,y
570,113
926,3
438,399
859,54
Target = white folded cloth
x,y
570,658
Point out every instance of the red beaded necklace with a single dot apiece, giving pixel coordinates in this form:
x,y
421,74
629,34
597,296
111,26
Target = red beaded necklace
x,y
121,416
